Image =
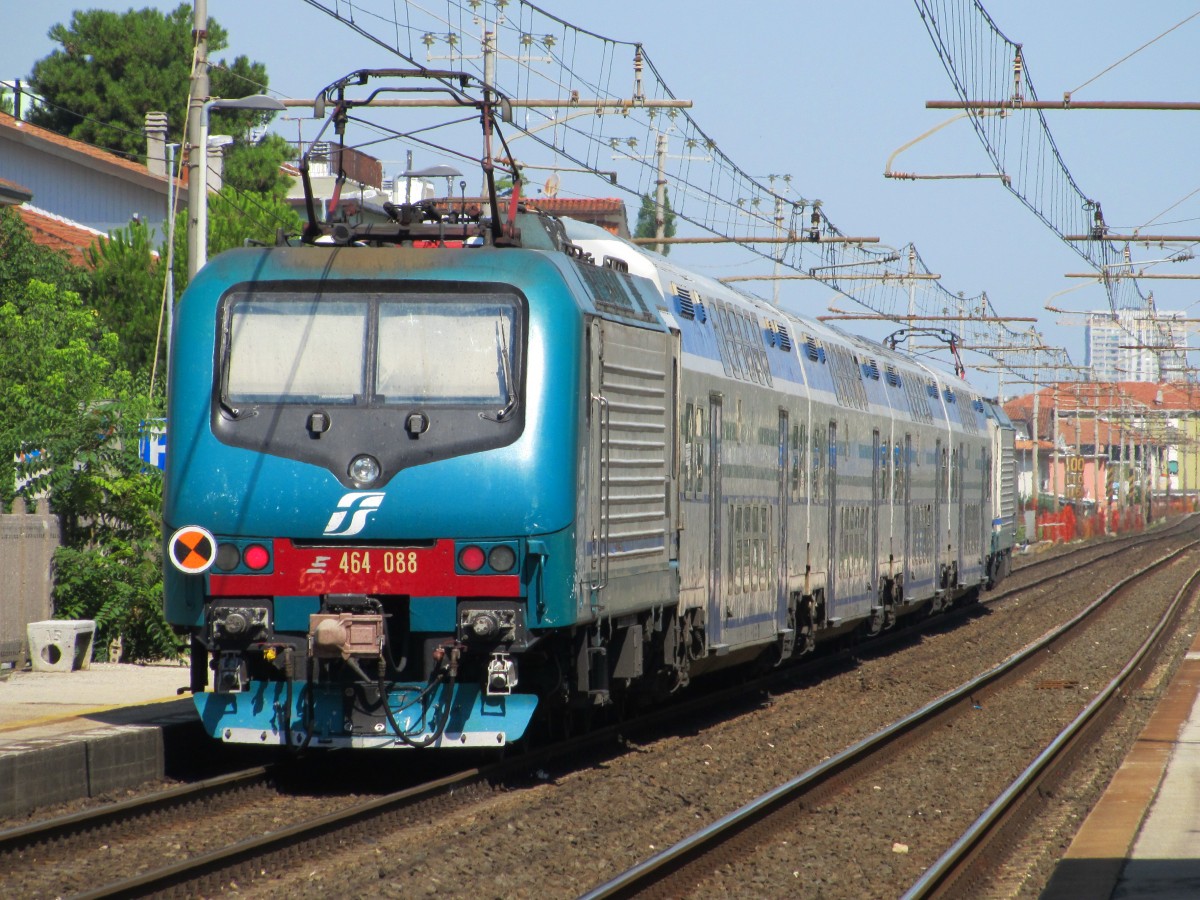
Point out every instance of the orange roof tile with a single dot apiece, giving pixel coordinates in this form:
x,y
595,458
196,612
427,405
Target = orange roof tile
x,y
57,233
564,205
12,193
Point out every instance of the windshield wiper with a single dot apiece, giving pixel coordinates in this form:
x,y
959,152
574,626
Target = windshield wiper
x,y
507,410
236,414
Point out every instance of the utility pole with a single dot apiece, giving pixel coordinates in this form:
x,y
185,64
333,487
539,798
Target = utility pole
x,y
197,155
1036,434
1096,484
1054,452
660,193
778,233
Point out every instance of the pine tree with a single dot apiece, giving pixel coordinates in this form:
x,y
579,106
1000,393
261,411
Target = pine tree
x,y
114,68
646,220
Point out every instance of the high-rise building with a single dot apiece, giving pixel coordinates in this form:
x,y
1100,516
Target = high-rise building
x,y
1133,345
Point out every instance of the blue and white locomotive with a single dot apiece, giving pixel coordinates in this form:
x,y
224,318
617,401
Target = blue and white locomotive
x,y
430,479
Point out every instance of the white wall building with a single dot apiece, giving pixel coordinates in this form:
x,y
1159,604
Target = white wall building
x,y
1130,347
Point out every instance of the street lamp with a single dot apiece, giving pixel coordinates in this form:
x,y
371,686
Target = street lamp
x,y
198,182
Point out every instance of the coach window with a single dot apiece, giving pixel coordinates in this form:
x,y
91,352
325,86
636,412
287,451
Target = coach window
x,y
799,461
885,472
817,485
688,450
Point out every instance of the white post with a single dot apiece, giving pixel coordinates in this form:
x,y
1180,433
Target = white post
x,y
198,141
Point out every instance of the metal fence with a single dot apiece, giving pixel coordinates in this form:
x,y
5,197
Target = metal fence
x,y
28,540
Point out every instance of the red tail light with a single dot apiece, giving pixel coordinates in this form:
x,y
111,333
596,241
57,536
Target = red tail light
x,y
256,557
471,558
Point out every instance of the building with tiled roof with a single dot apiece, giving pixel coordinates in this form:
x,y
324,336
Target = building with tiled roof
x,y
12,193
607,212
84,184
1092,437
57,233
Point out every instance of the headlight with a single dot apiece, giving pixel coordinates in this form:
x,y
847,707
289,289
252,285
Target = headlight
x,y
364,469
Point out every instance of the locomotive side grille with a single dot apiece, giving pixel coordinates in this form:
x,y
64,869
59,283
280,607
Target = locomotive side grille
x,y
635,447
614,292
1008,490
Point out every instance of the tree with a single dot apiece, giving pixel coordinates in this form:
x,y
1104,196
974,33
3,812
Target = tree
x,y
254,167
22,260
646,220
64,397
114,68
127,285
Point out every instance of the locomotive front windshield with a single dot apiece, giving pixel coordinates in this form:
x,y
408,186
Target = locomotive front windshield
x,y
370,348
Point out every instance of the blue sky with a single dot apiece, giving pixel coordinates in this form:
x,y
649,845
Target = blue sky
x,y
826,92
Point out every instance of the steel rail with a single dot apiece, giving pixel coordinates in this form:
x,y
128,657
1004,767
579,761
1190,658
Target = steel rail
x,y
188,870
66,826
13,840
1117,545
948,864
659,866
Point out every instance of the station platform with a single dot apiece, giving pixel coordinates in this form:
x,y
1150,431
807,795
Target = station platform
x,y
84,733
1142,839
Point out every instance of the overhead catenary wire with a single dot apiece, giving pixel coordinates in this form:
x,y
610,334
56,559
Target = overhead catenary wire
x,y
1133,53
575,64
1035,172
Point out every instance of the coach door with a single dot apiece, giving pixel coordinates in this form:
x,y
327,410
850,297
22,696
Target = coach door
x,y
939,501
908,567
985,510
881,461
781,570
831,493
960,467
716,510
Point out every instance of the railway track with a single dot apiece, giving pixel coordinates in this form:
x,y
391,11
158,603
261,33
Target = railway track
x,y
733,841
976,854
240,860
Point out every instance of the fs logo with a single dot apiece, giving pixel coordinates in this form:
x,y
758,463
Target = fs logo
x,y
358,507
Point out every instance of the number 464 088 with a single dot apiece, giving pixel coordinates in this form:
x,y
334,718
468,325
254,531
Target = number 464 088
x,y
394,562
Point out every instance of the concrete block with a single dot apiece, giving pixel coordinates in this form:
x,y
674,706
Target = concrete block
x,y
61,645
41,771
124,756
